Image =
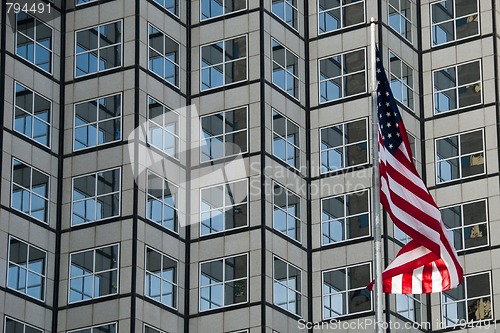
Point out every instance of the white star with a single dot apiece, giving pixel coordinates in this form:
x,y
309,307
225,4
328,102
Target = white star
x,y
388,114
387,104
390,146
397,125
378,70
387,93
378,84
383,137
378,93
380,116
389,125
381,126
389,135
380,104
398,134
378,59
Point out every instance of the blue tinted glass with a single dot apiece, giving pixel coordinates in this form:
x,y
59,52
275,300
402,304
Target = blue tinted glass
x,y
279,148
86,63
25,48
35,285
153,285
21,199
278,9
43,58
212,77
17,278
211,8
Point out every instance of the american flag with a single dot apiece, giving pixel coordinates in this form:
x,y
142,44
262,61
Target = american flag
x,y
428,263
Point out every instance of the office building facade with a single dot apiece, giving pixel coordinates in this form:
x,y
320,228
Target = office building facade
x,y
205,165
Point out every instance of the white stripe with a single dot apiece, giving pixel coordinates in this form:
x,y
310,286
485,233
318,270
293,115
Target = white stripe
x,y
416,280
409,256
437,279
452,269
397,284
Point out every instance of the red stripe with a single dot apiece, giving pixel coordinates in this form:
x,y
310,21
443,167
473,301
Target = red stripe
x,y
407,287
427,279
445,274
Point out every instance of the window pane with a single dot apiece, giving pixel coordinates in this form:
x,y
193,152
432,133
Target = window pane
x,y
447,148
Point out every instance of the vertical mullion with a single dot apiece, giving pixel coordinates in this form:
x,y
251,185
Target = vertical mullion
x,y
223,282
161,276
97,124
93,271
344,234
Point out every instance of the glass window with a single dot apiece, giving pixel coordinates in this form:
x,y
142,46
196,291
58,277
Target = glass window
x,y
93,273
454,20
224,207
457,87
161,205
149,329
412,140
224,63
400,17
344,291
32,115
27,269
335,14
468,224
215,8
223,282
409,306
287,11
34,41
471,301
286,212
170,5
14,326
30,191
344,145
224,134
161,278
163,128
286,140
285,69
96,196
107,328
400,235
82,2
97,122
98,48
460,156
163,56
401,80
342,75
287,291
345,217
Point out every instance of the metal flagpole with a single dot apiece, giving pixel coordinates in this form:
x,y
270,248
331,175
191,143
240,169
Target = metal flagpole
x,y
377,226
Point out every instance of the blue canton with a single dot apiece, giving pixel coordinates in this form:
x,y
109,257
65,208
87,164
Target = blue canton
x,y
388,113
